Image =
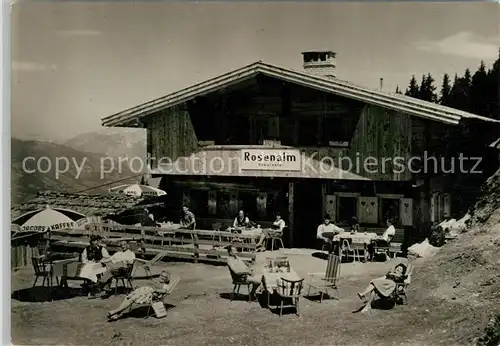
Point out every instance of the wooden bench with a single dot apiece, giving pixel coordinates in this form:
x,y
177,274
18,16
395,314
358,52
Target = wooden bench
x,y
396,243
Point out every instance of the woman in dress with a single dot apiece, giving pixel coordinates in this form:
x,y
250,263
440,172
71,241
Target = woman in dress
x,y
384,286
143,295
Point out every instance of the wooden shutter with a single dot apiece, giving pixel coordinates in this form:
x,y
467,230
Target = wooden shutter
x,y
261,204
434,207
368,210
331,206
186,197
447,205
212,202
406,211
233,202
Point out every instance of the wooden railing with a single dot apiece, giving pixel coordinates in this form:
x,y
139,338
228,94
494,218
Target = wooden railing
x,y
197,245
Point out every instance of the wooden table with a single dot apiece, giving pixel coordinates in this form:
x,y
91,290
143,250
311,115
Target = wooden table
x,y
356,238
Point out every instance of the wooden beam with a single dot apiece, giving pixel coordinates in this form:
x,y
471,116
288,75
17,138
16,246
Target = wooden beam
x,y
291,188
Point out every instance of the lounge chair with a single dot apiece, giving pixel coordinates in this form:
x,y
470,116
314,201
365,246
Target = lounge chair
x,y
328,280
147,265
157,301
400,292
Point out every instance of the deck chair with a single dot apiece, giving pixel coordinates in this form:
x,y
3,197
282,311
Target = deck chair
x,y
147,265
238,281
328,280
157,301
290,291
401,288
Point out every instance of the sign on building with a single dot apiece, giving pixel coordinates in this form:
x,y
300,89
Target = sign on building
x,y
270,159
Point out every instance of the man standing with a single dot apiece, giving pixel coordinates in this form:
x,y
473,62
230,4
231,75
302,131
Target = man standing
x,y
117,265
238,267
188,221
326,231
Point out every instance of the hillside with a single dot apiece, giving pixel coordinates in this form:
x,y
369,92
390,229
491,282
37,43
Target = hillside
x,y
26,184
458,290
114,142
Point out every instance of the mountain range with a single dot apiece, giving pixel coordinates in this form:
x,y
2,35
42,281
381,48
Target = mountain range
x,y
91,147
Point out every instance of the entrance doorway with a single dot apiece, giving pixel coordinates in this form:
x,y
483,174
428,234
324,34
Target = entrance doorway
x,y
307,212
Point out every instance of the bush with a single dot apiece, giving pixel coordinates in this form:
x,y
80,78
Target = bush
x,y
491,333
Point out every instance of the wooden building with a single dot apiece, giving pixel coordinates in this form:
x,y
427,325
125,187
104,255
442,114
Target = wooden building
x,y
265,138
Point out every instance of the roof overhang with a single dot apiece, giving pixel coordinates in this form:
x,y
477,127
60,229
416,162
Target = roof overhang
x,y
427,110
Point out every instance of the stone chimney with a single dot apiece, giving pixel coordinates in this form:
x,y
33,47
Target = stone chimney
x,y
320,62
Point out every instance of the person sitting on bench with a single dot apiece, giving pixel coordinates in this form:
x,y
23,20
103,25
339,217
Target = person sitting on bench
x,y
383,240
384,286
327,230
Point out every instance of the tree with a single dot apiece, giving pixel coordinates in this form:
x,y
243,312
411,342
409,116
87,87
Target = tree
x,y
444,98
479,103
427,89
412,90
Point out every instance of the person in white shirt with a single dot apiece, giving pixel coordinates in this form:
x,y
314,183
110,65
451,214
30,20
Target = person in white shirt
x,y
382,240
278,226
327,231
117,264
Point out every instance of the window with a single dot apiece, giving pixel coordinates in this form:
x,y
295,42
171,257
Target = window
x,y
248,203
199,202
390,209
347,209
223,209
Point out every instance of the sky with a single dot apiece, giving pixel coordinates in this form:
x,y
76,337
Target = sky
x,y
75,63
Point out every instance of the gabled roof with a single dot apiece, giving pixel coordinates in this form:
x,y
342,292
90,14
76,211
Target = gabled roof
x,y
335,86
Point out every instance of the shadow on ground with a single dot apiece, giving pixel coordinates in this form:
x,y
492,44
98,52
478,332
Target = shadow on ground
x,y
43,294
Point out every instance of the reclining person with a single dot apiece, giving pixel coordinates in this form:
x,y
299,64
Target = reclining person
x,y
384,286
383,240
116,265
143,295
238,267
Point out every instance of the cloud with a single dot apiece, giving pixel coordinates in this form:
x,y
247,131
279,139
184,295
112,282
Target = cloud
x,y
464,44
27,66
80,33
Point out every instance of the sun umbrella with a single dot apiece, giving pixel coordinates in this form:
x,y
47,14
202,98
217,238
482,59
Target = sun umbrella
x,y
138,190
48,219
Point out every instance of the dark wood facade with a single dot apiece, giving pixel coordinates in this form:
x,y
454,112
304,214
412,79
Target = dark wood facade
x,y
267,109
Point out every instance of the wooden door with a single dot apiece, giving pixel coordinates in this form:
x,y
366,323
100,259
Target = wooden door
x,y
368,210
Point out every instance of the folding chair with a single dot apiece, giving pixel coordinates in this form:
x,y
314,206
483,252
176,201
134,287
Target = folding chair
x,y
402,287
157,301
147,265
328,280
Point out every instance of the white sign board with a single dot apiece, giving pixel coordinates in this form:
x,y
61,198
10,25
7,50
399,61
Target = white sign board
x,y
270,159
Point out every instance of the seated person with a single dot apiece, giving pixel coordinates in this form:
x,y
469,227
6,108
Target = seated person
x,y
188,221
384,286
278,226
148,219
143,295
383,240
354,225
327,230
241,220
238,267
92,256
116,265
